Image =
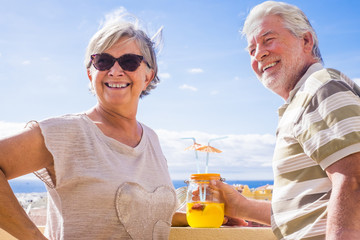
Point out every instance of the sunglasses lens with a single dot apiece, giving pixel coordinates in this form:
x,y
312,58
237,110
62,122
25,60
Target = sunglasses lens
x,y
130,62
103,62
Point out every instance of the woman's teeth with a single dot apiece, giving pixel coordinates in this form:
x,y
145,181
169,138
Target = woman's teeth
x,y
117,85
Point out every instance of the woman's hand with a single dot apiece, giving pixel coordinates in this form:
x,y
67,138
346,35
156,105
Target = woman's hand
x,y
179,220
230,221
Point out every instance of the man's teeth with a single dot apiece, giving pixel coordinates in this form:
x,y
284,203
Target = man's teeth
x,y
118,85
269,66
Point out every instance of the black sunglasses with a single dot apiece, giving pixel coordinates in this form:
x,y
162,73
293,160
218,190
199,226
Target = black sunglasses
x,y
128,62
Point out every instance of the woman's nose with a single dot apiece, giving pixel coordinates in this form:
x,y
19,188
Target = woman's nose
x,y
116,70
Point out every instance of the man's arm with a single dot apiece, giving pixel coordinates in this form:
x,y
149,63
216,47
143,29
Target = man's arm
x,y
343,220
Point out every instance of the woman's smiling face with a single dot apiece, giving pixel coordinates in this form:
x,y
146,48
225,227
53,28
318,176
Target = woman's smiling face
x,y
116,87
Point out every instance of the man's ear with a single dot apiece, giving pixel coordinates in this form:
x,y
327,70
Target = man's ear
x,y
308,42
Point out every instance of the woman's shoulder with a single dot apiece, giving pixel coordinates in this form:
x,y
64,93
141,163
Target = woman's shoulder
x,y
64,121
66,118
149,131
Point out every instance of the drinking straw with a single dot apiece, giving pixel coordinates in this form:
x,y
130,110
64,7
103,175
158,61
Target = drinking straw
x,y
196,154
207,154
207,162
200,193
197,160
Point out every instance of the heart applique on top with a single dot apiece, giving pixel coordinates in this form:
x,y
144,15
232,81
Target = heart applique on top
x,y
145,213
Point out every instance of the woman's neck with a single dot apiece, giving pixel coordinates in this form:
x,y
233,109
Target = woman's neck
x,y
123,128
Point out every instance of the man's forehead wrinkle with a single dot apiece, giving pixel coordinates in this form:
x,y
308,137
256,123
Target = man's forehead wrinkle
x,y
267,33
255,33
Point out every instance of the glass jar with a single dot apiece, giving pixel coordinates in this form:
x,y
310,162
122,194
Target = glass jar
x,y
203,208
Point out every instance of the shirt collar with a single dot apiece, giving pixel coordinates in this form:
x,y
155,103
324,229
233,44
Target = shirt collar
x,y
313,68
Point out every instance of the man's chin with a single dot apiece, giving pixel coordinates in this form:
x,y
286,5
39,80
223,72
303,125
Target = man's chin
x,y
271,84
268,83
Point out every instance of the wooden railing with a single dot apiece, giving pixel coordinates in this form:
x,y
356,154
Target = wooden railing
x,y
187,233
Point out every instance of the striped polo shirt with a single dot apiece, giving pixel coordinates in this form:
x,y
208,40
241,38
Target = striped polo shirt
x,y
318,125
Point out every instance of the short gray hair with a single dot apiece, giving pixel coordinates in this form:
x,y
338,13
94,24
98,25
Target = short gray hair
x,y
111,32
294,19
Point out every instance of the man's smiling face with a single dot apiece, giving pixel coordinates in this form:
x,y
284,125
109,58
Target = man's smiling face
x,y
277,56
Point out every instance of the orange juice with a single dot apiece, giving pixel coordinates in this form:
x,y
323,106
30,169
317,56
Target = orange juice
x,y
208,215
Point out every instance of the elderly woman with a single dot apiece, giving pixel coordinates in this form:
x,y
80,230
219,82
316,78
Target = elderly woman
x,y
105,173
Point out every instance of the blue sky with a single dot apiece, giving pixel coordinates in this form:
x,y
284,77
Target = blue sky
x,y
207,88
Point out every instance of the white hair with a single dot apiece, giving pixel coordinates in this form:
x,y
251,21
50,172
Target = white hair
x,y
294,20
115,28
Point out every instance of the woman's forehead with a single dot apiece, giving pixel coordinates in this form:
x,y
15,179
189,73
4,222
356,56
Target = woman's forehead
x,y
123,44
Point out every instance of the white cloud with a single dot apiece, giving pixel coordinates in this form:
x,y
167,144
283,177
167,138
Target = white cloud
x,y
9,128
243,157
188,87
214,92
26,62
164,75
113,15
357,81
195,70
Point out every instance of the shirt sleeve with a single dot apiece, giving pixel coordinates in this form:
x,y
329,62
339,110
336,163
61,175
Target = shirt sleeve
x,y
329,128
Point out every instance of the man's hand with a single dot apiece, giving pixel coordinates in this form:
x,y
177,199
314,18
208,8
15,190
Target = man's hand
x,y
238,207
227,194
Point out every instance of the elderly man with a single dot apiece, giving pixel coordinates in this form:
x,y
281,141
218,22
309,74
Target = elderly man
x,y
316,160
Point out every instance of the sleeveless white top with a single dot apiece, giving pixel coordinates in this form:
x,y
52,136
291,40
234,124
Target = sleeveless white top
x,y
105,189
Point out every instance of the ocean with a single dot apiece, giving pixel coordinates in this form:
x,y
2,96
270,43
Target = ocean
x,y
30,186
250,183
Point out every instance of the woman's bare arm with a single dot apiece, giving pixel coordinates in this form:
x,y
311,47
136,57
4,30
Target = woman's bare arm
x,y
20,154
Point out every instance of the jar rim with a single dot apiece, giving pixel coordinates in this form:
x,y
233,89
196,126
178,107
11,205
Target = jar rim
x,y
205,176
